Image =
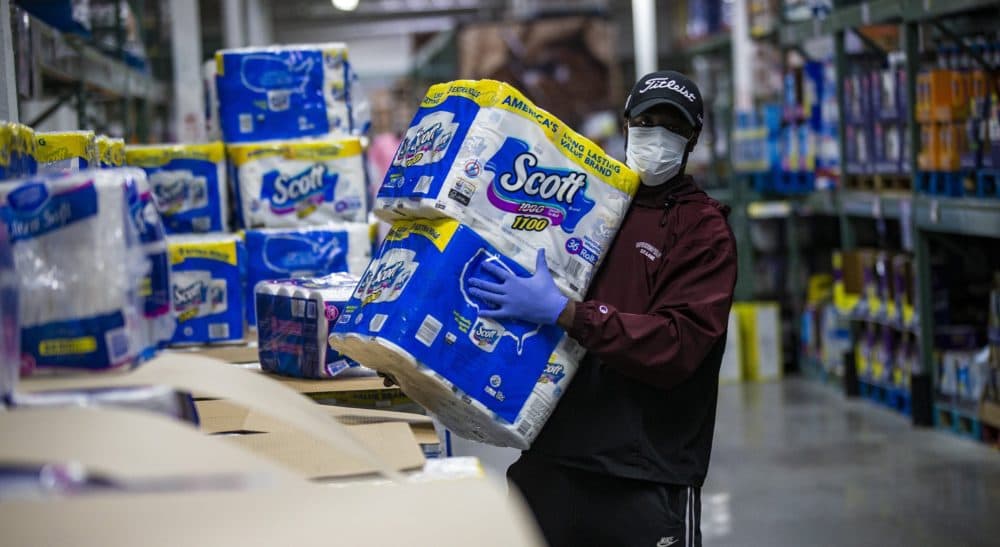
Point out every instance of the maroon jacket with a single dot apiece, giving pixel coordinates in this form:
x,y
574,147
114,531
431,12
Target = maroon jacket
x,y
643,402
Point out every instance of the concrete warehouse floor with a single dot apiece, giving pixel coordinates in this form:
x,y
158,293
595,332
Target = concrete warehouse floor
x,y
797,464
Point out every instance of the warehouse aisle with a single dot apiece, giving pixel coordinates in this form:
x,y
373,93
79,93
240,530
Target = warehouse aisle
x,y
797,464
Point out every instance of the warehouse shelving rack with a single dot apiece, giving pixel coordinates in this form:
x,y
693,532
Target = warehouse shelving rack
x,y
922,216
74,71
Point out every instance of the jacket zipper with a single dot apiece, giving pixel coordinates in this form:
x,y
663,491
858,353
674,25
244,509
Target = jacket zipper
x,y
667,204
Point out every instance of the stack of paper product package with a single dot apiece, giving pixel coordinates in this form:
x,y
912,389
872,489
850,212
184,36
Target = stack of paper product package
x,y
292,118
482,176
89,253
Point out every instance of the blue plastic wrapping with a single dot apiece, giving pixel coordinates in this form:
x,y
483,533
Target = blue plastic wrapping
x,y
207,273
294,318
411,316
304,253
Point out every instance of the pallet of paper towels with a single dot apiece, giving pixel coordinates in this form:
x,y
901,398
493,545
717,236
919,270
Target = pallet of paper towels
x,y
82,244
483,154
294,317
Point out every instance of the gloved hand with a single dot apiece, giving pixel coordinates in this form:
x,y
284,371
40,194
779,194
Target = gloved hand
x,y
534,299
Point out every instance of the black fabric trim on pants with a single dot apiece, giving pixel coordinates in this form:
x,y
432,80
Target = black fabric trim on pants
x,y
575,507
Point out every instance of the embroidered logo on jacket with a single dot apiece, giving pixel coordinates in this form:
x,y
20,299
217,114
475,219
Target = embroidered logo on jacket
x,y
648,250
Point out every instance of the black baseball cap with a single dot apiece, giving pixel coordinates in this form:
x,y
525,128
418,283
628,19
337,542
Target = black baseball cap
x,y
666,87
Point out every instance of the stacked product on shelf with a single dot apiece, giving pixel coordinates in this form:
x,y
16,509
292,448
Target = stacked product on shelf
x,y
207,276
84,267
708,18
483,176
876,128
189,182
791,148
58,151
17,151
295,317
957,108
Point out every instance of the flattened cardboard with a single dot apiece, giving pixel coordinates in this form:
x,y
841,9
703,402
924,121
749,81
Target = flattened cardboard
x,y
390,435
446,513
365,392
124,444
196,374
314,459
392,441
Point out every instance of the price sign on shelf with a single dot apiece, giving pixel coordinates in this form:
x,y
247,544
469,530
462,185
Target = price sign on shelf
x,y
935,212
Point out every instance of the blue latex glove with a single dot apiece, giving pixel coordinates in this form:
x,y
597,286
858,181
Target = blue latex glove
x,y
534,299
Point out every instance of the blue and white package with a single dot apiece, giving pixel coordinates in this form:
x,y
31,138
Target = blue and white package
x,y
411,316
189,182
304,252
284,184
287,92
154,289
206,276
294,317
80,269
483,154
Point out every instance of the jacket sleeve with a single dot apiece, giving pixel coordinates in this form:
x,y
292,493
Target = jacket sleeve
x,y
695,291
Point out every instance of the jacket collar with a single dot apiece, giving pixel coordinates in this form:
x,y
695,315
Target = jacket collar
x,y
656,196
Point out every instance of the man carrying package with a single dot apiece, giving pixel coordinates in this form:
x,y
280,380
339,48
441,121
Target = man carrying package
x,y
622,459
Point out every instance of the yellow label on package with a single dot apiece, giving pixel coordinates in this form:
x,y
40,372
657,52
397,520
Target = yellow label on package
x,y
157,155
67,346
319,150
60,146
222,251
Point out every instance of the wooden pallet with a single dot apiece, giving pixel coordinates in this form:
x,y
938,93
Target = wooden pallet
x,y
860,182
901,183
960,423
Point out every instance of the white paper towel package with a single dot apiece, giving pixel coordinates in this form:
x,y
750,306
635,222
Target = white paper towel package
x,y
155,286
306,252
189,182
81,268
480,152
207,272
411,316
292,183
287,92
294,317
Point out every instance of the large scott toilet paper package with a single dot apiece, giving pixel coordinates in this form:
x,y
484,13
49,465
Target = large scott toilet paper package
x,y
286,92
411,316
81,268
291,183
294,317
206,272
480,152
305,252
56,152
189,182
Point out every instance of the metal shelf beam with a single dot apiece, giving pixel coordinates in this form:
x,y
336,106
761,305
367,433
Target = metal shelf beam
x,y
961,216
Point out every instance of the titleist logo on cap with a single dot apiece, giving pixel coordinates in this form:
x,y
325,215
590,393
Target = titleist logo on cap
x,y
669,83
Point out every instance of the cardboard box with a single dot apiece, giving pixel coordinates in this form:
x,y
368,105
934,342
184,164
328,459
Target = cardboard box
x,y
760,335
952,144
928,159
364,392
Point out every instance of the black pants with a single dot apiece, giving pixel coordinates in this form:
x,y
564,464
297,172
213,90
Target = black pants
x,y
576,508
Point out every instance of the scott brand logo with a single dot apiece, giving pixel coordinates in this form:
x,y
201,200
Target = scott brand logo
x,y
485,336
521,186
285,192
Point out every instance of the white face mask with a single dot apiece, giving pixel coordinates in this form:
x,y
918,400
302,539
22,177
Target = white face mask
x,y
654,153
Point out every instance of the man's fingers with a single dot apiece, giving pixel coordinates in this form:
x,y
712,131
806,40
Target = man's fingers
x,y
496,271
540,262
499,313
478,283
488,297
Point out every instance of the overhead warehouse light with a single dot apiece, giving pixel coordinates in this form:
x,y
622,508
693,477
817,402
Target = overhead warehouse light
x,y
345,5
